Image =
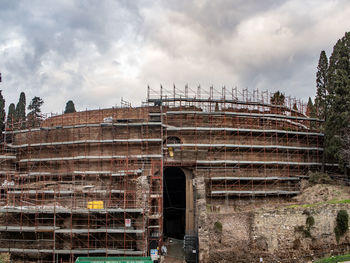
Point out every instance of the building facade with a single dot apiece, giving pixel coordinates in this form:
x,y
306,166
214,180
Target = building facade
x,y
117,181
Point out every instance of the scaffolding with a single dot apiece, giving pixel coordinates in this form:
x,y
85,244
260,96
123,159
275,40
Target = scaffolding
x,y
239,141
91,183
77,185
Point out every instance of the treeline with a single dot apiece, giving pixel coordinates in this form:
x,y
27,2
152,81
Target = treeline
x,y
17,118
332,101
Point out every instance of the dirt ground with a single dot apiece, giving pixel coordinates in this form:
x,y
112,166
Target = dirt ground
x,y
175,252
322,193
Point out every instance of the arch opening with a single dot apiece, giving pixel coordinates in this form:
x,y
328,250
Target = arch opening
x,y
174,206
172,140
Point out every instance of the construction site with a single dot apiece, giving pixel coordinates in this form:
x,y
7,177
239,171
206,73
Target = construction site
x,y
119,181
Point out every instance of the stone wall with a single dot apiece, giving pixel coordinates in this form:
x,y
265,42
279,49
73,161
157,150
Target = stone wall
x,y
275,235
285,229
227,244
201,218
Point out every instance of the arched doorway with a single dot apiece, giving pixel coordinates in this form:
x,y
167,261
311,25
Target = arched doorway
x,y
172,140
174,206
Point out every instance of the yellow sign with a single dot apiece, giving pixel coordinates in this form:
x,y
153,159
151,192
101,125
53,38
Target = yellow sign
x,y
95,205
171,152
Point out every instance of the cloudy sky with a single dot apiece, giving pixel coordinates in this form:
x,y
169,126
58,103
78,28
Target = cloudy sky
x,y
97,51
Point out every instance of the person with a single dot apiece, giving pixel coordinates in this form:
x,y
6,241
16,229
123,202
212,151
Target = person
x,y
164,250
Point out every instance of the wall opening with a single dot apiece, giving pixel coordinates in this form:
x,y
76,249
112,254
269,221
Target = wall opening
x,y
174,199
172,140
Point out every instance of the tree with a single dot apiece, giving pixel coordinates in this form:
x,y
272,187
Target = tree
x,y
311,112
11,114
277,98
34,115
70,107
295,109
321,85
310,109
341,224
2,112
345,150
337,99
20,115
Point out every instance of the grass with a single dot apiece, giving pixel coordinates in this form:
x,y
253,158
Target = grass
x,y
345,201
334,259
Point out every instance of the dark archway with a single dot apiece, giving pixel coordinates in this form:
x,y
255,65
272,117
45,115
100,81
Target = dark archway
x,y
174,202
172,140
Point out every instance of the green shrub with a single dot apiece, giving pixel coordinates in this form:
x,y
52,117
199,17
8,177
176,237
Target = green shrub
x,y
310,221
319,178
299,228
307,233
342,224
306,230
218,227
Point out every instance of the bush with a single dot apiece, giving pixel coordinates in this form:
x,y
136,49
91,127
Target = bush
x,y
342,224
218,227
310,221
306,230
319,178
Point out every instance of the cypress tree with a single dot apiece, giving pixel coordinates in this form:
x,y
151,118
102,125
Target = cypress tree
x,y
34,115
70,107
338,98
11,114
2,112
277,98
310,109
321,85
21,110
295,110
295,107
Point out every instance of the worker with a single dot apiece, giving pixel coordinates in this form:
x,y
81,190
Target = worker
x,y
164,250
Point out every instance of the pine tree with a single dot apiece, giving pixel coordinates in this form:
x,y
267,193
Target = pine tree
x,y
34,116
310,109
277,98
20,115
11,114
2,113
338,98
70,107
321,85
295,107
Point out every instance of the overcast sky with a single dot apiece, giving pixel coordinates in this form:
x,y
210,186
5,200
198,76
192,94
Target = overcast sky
x,y
96,51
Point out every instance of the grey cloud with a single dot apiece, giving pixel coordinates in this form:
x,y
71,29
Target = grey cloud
x,y
273,45
95,52
57,33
